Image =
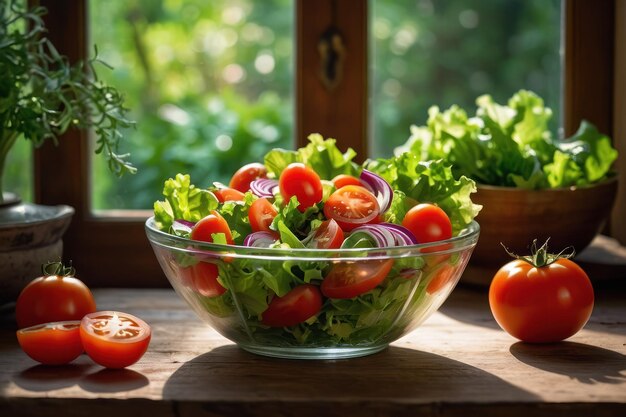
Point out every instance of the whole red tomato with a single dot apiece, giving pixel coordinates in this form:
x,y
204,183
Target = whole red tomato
x,y
541,298
55,296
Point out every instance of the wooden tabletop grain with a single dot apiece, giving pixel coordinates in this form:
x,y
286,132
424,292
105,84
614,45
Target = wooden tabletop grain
x,y
458,363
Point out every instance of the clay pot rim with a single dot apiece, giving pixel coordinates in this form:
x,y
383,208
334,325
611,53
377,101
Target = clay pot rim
x,y
59,213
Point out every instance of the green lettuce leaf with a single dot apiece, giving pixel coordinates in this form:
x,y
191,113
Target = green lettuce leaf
x,y
183,200
321,155
427,182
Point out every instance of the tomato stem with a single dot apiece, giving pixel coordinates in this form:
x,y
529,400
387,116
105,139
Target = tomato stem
x,y
58,269
540,257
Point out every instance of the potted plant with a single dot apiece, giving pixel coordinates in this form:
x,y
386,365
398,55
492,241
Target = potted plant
x,y
41,97
531,184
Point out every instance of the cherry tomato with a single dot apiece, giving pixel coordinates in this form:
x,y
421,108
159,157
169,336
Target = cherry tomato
x,y
202,278
114,339
327,236
351,279
209,225
428,223
54,343
261,214
352,206
246,174
304,183
342,180
55,296
442,275
228,194
545,303
297,306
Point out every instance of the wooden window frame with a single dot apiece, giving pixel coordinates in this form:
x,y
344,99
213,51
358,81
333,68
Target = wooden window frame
x,y
113,250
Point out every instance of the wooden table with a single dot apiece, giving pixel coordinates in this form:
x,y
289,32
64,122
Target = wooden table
x,y
459,363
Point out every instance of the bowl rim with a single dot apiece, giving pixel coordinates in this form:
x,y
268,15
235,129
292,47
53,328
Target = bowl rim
x,y
466,239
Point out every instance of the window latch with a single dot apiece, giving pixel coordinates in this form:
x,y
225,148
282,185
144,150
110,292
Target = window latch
x,y
332,52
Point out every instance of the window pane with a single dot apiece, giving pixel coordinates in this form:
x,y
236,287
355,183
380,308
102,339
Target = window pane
x,y
18,175
209,84
445,52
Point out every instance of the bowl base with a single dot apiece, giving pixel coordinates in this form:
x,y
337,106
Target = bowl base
x,y
313,353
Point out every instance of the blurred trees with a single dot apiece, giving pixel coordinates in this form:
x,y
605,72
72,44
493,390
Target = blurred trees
x,y
211,83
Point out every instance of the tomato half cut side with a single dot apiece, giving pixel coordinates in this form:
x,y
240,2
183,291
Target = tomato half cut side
x,y
352,205
351,279
114,339
327,236
261,215
297,306
54,343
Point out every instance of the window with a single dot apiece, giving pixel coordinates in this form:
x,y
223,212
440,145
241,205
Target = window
x,y
209,84
103,245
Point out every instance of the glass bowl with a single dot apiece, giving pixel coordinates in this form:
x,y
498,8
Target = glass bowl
x,y
418,281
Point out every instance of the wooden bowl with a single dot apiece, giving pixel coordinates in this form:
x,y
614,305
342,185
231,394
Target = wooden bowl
x,y
568,216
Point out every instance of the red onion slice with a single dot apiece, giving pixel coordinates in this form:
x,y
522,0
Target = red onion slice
x,y
404,236
260,239
381,188
182,226
263,187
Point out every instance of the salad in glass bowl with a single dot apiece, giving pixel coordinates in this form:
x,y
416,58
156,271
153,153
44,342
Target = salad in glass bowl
x,y
310,255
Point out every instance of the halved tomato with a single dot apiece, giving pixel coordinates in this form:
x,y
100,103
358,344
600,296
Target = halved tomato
x,y
246,174
114,339
297,306
327,236
352,206
351,279
261,215
228,194
54,343
342,180
208,226
202,278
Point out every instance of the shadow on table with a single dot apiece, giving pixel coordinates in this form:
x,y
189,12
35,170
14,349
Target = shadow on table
x,y
89,377
394,374
585,363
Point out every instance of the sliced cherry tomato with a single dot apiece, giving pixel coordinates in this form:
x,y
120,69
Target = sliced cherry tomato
x,y
442,275
351,279
428,223
54,343
261,214
352,206
297,306
304,183
246,174
56,296
114,339
541,302
208,226
228,194
327,236
342,180
202,278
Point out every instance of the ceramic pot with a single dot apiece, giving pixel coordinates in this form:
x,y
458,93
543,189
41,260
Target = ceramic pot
x,y
30,235
568,216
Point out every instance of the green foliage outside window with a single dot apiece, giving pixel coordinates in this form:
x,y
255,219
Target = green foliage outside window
x,y
210,83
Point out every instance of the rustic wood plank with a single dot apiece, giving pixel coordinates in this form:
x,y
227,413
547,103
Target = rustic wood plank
x,y
458,362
